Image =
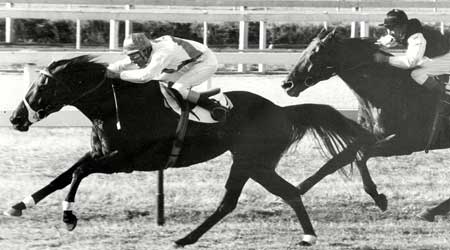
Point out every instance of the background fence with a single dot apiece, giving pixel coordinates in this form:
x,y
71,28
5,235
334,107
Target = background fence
x,y
359,14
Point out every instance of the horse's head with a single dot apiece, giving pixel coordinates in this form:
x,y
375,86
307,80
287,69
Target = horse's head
x,y
316,63
62,83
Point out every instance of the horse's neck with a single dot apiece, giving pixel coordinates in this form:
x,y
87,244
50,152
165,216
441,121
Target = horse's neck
x,y
100,105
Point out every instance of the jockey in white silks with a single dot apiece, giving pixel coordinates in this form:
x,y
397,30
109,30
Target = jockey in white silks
x,y
180,62
427,52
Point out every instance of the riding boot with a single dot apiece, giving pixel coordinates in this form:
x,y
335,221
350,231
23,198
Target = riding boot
x,y
435,86
218,112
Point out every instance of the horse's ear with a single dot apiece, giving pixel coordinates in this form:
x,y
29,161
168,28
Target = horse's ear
x,y
329,35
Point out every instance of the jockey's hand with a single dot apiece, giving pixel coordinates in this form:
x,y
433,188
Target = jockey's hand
x,y
379,57
112,74
387,41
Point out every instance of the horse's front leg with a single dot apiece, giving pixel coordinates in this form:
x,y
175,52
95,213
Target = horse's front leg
x,y
235,183
112,163
58,183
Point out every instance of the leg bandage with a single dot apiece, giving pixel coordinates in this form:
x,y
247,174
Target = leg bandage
x,y
67,206
29,202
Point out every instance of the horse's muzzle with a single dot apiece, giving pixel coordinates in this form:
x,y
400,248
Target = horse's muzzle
x,y
20,121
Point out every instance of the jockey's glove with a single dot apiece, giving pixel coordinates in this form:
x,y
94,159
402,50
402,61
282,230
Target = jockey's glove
x,y
379,57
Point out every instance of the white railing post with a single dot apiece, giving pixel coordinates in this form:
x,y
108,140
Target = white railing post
x,y
78,35
262,42
113,34
354,26
205,33
128,23
205,42
243,39
9,26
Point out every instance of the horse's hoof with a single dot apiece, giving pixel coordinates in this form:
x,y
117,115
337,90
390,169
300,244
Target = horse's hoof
x,y
304,244
308,240
176,245
426,215
382,202
70,220
71,226
13,212
185,241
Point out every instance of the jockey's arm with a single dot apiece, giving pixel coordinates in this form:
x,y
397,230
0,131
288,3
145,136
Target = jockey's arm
x,y
121,65
158,62
414,53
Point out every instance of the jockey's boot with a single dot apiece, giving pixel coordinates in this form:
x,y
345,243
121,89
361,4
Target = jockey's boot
x,y
218,112
435,85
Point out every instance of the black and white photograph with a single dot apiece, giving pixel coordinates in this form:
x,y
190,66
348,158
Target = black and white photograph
x,y
225,124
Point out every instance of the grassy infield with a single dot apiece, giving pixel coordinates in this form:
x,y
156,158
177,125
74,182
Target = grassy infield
x,y
118,211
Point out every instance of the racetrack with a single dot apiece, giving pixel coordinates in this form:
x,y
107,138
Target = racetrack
x,y
118,211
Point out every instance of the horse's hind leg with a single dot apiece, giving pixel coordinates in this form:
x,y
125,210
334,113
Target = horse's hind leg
x,y
58,183
345,157
235,183
369,185
275,184
429,213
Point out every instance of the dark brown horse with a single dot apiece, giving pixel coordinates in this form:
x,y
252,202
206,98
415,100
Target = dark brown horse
x,y
391,105
257,133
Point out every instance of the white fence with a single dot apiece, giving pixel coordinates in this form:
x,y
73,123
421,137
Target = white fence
x,y
357,12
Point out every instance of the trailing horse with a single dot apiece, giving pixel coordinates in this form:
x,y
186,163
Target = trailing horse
x,y
257,133
392,106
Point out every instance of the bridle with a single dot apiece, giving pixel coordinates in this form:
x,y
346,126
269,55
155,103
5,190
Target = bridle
x,y
34,116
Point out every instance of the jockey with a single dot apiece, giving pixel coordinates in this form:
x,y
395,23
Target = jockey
x,y
427,50
181,63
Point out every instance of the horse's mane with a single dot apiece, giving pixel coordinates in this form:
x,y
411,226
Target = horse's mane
x,y
79,63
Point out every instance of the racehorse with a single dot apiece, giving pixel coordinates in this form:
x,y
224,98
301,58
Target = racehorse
x,y
257,133
391,105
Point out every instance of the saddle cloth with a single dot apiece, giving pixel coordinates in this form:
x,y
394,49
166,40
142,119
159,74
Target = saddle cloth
x,y
197,114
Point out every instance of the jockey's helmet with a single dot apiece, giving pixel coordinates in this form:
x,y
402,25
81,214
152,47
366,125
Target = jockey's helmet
x,y
395,17
136,42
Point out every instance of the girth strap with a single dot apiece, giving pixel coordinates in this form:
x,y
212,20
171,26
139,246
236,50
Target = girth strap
x,y
180,132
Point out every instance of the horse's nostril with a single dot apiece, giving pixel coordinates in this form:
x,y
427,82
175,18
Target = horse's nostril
x,y
15,119
287,84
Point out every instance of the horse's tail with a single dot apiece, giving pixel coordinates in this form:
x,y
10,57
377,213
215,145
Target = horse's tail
x,y
333,131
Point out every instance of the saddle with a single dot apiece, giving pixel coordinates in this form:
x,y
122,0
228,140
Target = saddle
x,y
197,113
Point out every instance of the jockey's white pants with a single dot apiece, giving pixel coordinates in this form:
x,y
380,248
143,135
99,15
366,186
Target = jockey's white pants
x,y
192,74
432,67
